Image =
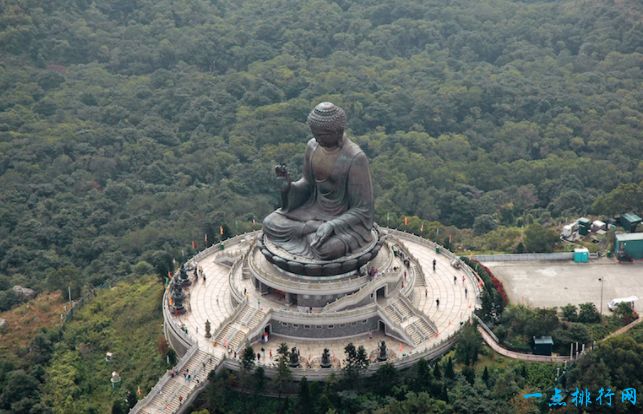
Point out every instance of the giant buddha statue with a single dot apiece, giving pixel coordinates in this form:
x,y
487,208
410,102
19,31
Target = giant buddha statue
x,y
328,213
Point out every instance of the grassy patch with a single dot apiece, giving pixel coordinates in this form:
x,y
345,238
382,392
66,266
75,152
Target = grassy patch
x,y
27,319
125,320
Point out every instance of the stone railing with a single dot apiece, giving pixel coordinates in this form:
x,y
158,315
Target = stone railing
x,y
322,374
521,257
388,255
256,333
189,399
333,318
518,355
397,330
237,296
232,317
387,278
215,247
171,326
414,269
428,354
419,314
485,327
409,285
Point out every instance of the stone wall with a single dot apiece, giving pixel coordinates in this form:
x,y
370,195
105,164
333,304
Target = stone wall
x,y
179,345
316,301
326,331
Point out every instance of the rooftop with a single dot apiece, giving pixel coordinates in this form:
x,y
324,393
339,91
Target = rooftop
x,y
629,236
631,217
543,340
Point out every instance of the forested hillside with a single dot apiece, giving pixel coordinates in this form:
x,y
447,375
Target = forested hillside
x,y
129,128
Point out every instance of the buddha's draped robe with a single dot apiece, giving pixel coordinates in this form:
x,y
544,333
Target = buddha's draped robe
x,y
336,188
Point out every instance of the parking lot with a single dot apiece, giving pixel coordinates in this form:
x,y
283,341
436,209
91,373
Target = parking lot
x,y
557,283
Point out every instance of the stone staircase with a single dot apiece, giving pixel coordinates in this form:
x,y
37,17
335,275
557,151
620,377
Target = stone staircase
x,y
420,281
399,312
167,400
227,259
417,327
234,333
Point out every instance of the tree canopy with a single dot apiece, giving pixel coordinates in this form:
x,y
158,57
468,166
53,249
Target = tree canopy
x,y
129,129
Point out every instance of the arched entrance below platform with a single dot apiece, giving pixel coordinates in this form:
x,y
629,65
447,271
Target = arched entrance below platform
x,y
381,327
381,293
265,336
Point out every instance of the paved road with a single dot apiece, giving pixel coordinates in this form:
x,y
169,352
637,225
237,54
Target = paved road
x,y
559,283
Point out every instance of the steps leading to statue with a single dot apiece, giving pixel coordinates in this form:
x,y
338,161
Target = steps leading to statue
x,y
167,401
402,312
234,334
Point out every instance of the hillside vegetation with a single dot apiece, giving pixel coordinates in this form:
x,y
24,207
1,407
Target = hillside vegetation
x,y
130,128
24,321
125,320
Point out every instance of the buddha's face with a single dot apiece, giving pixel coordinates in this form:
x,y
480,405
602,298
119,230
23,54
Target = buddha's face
x,y
327,138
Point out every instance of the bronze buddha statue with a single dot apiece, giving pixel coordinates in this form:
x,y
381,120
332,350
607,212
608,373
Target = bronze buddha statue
x,y
328,213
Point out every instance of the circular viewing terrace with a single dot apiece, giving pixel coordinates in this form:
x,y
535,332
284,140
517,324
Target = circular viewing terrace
x,y
411,296
399,297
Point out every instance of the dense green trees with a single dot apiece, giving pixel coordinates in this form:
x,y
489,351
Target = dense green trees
x,y
615,363
419,389
468,346
20,381
132,128
539,239
125,320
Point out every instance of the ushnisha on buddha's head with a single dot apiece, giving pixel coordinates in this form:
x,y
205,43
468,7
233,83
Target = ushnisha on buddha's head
x,y
327,123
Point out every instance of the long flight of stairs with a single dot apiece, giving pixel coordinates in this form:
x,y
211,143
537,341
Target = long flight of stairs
x,y
167,401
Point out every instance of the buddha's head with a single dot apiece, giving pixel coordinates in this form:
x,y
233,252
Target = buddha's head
x,y
327,123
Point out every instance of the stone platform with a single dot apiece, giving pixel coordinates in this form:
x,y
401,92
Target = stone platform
x,y
240,299
310,267
402,306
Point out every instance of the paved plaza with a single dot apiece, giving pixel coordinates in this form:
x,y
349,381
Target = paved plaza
x,y
428,306
212,301
548,284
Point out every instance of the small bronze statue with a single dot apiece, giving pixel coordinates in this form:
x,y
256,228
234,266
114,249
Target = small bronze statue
x,y
184,278
383,354
177,296
325,359
294,358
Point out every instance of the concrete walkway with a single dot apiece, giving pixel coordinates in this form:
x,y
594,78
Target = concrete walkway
x,y
543,358
517,355
623,329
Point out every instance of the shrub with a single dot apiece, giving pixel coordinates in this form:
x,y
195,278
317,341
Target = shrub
x,y
588,313
625,313
570,312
